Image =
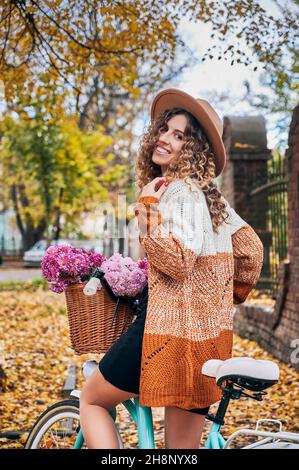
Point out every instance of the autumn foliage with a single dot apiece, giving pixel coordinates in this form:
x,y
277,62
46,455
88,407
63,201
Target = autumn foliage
x,y
36,354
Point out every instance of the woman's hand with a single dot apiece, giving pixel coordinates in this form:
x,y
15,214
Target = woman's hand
x,y
146,209
155,188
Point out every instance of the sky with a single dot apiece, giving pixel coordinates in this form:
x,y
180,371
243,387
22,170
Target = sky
x,y
214,78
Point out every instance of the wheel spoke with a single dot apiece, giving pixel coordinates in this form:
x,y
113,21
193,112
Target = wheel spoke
x,y
56,428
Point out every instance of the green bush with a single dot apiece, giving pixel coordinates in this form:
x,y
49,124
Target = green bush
x,y
31,285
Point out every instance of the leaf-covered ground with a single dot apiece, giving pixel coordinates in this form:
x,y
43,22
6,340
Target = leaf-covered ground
x,y
36,354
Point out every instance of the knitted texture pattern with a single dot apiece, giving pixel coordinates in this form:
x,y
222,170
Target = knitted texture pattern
x,y
149,215
194,277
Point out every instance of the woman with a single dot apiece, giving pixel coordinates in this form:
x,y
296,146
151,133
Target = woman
x,y
202,258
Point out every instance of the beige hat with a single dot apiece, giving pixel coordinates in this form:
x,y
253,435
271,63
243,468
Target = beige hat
x,y
201,109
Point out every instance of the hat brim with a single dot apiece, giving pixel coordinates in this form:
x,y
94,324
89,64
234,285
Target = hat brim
x,y
175,98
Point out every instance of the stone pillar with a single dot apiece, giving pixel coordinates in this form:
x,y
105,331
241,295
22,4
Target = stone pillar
x,y
246,146
277,329
245,140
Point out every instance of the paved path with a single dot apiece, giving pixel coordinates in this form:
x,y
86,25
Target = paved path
x,y
19,274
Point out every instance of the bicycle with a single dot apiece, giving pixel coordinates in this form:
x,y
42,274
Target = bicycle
x,y
60,423
64,415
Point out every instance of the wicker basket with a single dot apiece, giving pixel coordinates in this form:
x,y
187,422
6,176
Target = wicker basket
x,y
96,321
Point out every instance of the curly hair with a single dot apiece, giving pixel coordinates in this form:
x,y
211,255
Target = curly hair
x,y
195,160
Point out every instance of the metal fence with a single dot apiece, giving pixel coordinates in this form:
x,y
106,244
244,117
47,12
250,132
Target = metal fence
x,y
10,247
270,204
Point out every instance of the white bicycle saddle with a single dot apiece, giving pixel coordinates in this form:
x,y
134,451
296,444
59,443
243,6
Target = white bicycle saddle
x,y
88,368
253,374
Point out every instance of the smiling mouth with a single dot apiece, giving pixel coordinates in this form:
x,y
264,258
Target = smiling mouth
x,y
161,151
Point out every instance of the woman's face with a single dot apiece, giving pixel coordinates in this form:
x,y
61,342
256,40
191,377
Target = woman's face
x,y
170,140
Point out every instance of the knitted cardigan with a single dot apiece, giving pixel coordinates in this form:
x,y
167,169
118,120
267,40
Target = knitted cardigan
x,y
195,275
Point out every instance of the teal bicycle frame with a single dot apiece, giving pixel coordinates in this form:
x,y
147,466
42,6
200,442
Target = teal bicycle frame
x,y
215,439
143,418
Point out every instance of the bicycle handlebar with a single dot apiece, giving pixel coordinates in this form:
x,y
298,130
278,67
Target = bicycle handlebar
x,y
98,277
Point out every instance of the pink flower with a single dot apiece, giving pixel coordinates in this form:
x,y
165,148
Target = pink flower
x,y
65,265
125,276
143,264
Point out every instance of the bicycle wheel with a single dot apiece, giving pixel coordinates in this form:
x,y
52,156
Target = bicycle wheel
x,y
58,428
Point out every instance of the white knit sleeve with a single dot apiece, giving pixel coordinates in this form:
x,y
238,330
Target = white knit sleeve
x,y
182,216
236,222
174,245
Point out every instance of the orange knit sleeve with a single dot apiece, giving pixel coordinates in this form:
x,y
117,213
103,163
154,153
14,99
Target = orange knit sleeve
x,y
165,250
248,262
149,216
148,199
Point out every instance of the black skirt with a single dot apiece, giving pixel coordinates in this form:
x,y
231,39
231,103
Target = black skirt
x,y
121,364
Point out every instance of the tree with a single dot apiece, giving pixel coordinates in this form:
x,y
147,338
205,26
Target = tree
x,y
281,83
51,170
75,42
105,59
